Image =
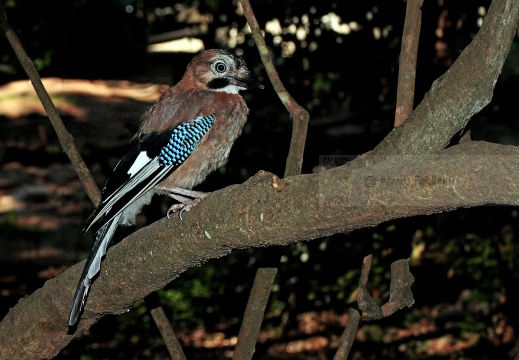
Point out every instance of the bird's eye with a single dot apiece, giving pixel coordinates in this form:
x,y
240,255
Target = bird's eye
x,y
220,67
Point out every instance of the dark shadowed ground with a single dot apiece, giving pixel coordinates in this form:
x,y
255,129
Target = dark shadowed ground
x,y
43,208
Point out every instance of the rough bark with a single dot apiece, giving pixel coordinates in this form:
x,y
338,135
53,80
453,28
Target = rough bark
x,y
266,210
465,89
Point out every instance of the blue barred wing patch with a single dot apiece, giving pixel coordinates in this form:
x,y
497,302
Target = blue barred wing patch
x,y
184,139
147,163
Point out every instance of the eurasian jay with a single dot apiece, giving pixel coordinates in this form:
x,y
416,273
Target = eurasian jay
x,y
182,138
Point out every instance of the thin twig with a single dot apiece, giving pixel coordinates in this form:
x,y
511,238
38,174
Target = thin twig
x,y
264,278
254,313
404,107
167,333
408,60
348,336
67,142
354,315
65,139
400,289
298,114
367,305
400,296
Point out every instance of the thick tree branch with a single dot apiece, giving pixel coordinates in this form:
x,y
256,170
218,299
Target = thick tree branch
x,y
464,90
266,211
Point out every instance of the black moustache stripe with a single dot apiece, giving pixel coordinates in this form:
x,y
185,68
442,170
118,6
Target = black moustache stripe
x,y
218,83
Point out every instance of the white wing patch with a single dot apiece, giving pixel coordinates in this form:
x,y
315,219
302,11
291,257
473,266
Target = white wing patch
x,y
141,160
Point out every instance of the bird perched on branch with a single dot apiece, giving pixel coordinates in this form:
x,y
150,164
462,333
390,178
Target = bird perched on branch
x,y
182,138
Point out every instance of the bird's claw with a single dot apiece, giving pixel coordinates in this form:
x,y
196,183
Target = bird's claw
x,y
182,207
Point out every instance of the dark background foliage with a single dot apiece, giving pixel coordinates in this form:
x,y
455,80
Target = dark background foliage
x,y
345,75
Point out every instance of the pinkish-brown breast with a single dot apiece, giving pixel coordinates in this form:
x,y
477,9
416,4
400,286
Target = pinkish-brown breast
x,y
231,115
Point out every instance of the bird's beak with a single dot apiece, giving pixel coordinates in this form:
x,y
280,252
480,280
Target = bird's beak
x,y
250,82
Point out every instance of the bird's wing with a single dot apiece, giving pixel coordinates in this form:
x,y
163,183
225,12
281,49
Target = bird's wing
x,y
148,161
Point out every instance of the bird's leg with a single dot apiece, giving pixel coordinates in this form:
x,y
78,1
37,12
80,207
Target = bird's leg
x,y
179,198
187,199
185,203
179,191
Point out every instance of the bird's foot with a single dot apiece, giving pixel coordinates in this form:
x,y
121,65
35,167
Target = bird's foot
x,y
182,207
185,206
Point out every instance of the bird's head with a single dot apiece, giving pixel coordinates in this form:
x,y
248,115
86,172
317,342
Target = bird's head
x,y
219,70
